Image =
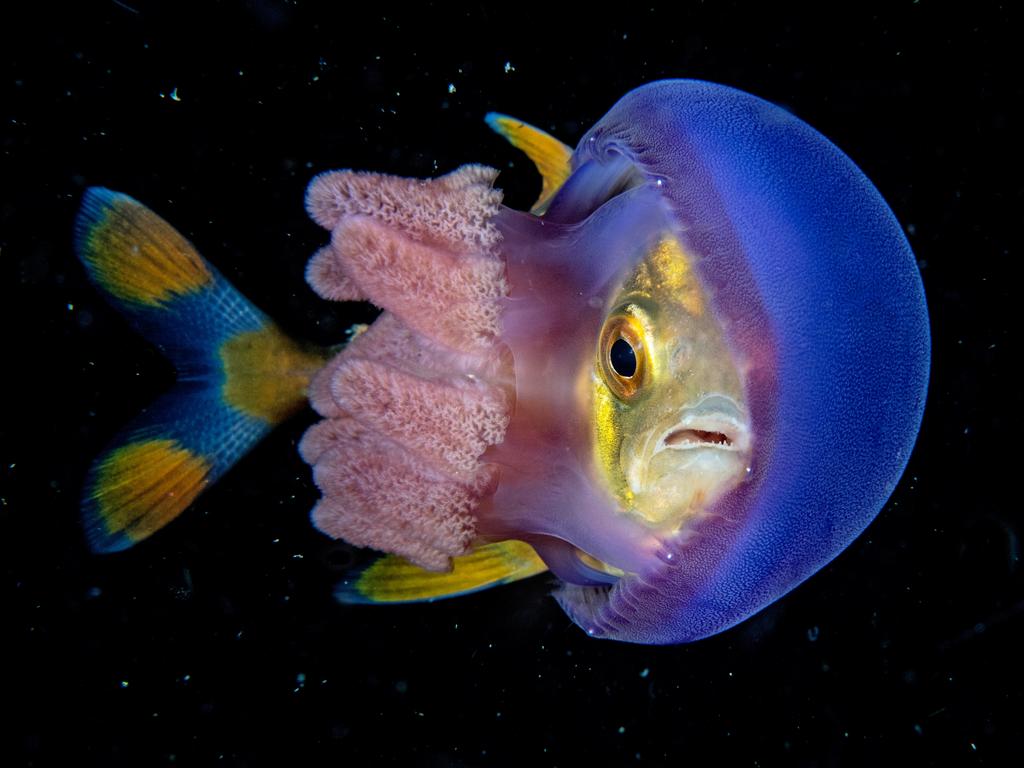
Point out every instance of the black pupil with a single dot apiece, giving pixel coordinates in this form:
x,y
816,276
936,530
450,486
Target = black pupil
x,y
623,358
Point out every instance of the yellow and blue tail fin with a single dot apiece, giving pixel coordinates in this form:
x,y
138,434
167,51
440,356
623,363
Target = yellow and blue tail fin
x,y
238,374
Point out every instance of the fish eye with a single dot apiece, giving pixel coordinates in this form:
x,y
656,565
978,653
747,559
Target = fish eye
x,y
623,357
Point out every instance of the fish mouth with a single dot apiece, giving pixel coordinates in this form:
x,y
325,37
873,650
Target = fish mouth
x,y
715,422
688,463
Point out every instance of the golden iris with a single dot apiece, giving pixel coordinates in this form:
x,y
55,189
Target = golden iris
x,y
623,355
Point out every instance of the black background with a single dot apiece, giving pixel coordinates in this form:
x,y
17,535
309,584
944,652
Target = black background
x,y
218,642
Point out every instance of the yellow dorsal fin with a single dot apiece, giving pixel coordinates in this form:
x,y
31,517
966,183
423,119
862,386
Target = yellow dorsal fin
x,y
549,154
392,579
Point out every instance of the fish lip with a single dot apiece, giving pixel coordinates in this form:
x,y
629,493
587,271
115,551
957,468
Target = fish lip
x,y
716,422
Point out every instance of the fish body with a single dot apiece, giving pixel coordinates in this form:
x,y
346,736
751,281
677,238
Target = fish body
x,y
683,382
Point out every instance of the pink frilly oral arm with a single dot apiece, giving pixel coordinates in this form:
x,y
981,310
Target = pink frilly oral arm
x,y
411,404
454,211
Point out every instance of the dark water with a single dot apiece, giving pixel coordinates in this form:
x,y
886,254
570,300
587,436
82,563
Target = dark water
x,y
218,642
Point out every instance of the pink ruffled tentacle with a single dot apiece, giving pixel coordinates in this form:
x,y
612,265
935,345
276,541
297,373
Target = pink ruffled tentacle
x,y
412,403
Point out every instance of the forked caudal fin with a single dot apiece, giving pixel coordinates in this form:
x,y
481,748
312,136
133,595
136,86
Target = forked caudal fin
x,y
238,374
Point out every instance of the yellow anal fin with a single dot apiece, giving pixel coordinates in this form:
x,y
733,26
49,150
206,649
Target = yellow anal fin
x,y
547,153
392,579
